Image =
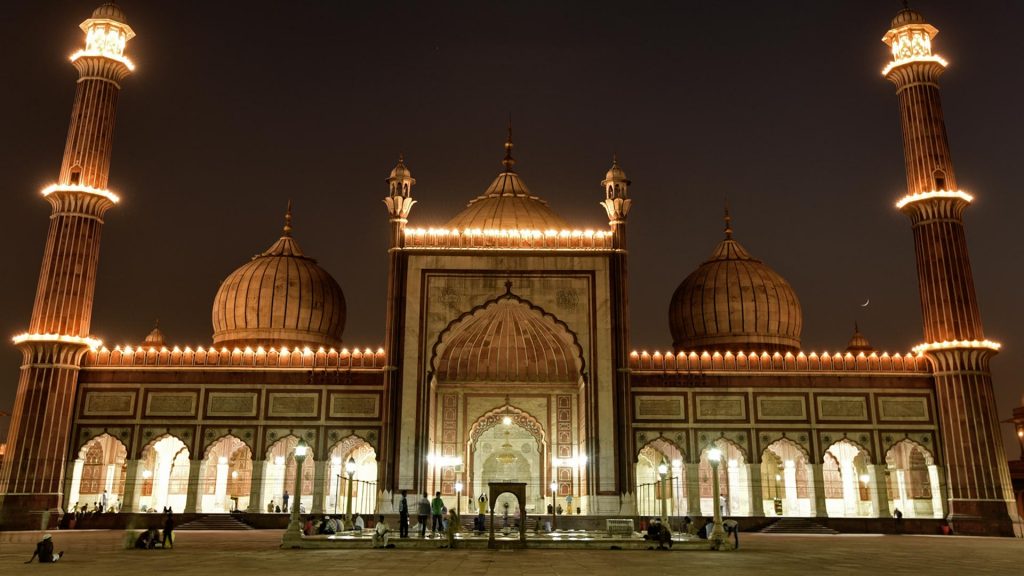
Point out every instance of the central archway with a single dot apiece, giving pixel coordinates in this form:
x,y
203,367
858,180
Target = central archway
x,y
508,444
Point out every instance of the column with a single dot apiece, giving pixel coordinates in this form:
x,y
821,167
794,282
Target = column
x,y
880,495
194,489
693,489
319,475
818,473
131,486
256,504
73,481
756,490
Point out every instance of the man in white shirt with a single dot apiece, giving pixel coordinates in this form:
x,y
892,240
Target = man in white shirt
x,y
380,533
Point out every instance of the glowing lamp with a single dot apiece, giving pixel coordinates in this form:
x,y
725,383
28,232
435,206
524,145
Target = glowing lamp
x,y
554,486
300,449
222,460
865,478
146,474
336,461
350,467
507,420
663,469
715,455
677,463
458,487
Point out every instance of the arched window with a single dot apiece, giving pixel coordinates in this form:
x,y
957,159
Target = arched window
x,y
940,180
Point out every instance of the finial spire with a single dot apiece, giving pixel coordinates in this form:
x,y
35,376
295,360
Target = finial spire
x,y
509,161
288,219
728,221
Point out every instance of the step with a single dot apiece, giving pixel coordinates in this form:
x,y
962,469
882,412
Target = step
x,y
796,526
215,522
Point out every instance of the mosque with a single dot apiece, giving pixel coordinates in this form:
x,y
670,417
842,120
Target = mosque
x,y
507,356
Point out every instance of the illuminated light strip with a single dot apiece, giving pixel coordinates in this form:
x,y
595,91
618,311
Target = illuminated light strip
x,y
307,351
935,194
92,343
896,63
79,188
951,344
122,59
508,232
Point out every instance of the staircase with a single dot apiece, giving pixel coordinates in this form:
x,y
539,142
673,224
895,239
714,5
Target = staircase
x,y
796,526
215,522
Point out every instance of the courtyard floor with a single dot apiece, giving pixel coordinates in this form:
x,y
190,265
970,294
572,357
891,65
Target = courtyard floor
x,y
256,552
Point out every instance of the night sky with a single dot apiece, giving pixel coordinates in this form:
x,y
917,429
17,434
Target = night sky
x,y
236,107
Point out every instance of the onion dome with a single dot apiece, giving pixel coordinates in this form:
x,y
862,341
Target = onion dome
x,y
110,11
734,302
155,339
279,298
858,342
507,204
906,16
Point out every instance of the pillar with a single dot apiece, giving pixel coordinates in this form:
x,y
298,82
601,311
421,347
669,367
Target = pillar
x,y
818,473
756,490
880,494
131,487
693,489
319,475
256,504
195,468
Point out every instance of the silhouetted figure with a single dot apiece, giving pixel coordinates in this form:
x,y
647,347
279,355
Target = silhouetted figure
x,y
403,516
44,551
168,539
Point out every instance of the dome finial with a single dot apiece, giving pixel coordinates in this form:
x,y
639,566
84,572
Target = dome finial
x,y
509,161
288,219
728,221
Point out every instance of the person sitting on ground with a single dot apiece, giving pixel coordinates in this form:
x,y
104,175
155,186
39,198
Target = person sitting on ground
x,y
359,523
380,533
325,526
664,536
687,525
705,530
270,507
147,539
44,551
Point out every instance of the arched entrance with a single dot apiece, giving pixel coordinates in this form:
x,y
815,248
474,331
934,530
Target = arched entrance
x,y
733,480
517,489
654,494
279,476
847,480
362,457
913,480
226,476
785,480
163,475
99,474
508,346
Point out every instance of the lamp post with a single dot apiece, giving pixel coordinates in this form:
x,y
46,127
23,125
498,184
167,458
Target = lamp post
x,y
458,498
554,494
717,536
350,470
293,534
663,472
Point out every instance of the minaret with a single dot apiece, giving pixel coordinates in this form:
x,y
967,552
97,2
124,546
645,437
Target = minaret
x,y
399,203
979,494
617,204
58,334
616,201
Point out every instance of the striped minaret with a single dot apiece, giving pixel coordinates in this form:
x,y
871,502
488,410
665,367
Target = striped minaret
x,y
31,480
978,491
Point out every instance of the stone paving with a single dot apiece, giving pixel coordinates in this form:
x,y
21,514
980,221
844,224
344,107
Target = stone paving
x,y
229,553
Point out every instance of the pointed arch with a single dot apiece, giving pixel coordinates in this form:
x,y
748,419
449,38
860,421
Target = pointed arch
x,y
520,418
507,339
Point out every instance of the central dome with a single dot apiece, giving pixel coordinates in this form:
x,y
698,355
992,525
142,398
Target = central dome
x,y
279,298
734,302
507,204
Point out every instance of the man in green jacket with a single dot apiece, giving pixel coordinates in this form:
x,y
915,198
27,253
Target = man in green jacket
x,y
436,507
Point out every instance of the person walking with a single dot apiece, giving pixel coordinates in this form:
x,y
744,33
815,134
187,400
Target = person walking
x,y
436,509
403,516
44,551
423,514
285,499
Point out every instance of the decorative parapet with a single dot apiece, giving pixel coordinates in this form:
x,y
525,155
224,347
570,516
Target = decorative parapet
x,y
508,239
742,362
258,358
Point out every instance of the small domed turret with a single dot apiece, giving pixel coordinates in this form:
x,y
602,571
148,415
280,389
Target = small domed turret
x,y
110,11
858,342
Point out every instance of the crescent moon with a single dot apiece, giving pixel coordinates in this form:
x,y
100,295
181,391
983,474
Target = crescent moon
x,y
866,302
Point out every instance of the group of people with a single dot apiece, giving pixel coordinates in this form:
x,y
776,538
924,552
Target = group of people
x,y
106,503
150,537
660,533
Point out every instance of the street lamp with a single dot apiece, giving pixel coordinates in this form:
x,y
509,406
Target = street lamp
x,y
663,472
458,498
554,494
350,469
717,536
293,534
